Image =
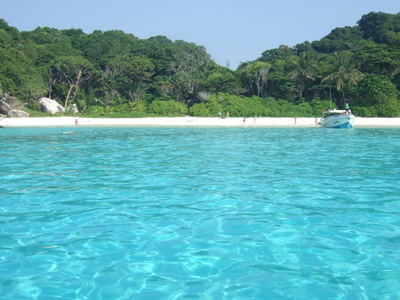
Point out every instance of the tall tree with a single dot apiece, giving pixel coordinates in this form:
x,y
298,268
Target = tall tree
x,y
189,62
378,26
73,71
130,75
220,79
33,86
302,69
12,64
262,79
339,39
377,58
343,71
255,77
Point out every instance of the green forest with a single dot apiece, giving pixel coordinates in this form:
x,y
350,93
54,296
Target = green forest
x,y
116,74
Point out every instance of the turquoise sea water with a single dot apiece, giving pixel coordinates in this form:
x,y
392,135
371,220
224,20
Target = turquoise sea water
x,y
199,213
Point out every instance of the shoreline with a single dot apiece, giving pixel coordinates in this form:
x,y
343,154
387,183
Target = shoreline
x,y
184,122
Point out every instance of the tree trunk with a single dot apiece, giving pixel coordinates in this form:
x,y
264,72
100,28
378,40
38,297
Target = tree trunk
x,y
50,89
51,82
78,79
343,98
69,93
301,91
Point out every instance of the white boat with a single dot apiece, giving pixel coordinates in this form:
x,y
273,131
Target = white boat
x,y
337,119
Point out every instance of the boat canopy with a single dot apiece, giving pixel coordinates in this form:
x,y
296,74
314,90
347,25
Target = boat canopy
x,y
337,112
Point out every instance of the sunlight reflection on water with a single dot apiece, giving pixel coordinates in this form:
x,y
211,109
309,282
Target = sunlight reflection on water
x,y
206,213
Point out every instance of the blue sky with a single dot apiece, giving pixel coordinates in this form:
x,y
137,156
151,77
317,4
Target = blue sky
x,y
234,31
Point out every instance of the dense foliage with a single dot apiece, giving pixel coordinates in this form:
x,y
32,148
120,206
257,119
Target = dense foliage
x,y
114,73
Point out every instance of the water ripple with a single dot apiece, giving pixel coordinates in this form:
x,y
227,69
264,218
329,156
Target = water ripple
x,y
199,213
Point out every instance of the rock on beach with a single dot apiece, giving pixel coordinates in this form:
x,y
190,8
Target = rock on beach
x,y
4,107
17,114
50,105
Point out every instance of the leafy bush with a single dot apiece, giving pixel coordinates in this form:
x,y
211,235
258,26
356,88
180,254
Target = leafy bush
x,y
81,105
304,110
319,106
139,106
375,89
96,110
199,110
391,110
362,112
34,105
36,113
167,107
256,106
122,108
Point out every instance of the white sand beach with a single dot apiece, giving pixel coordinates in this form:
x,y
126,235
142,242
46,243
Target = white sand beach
x,y
185,121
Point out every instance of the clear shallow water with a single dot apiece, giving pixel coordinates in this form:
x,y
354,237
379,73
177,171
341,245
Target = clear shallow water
x,y
199,213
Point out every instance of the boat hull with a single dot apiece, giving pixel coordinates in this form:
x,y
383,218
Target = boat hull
x,y
338,121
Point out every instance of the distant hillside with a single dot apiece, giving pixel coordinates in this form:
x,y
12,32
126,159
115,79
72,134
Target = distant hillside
x,y
113,71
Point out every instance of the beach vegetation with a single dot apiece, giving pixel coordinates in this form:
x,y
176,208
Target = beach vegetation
x,y
344,72
114,73
376,97
256,106
302,70
167,107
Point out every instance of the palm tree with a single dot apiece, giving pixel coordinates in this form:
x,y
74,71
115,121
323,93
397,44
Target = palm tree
x,y
302,68
344,70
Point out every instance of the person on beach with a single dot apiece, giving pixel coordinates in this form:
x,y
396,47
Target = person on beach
x,y
295,120
219,115
76,122
244,121
255,120
227,114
